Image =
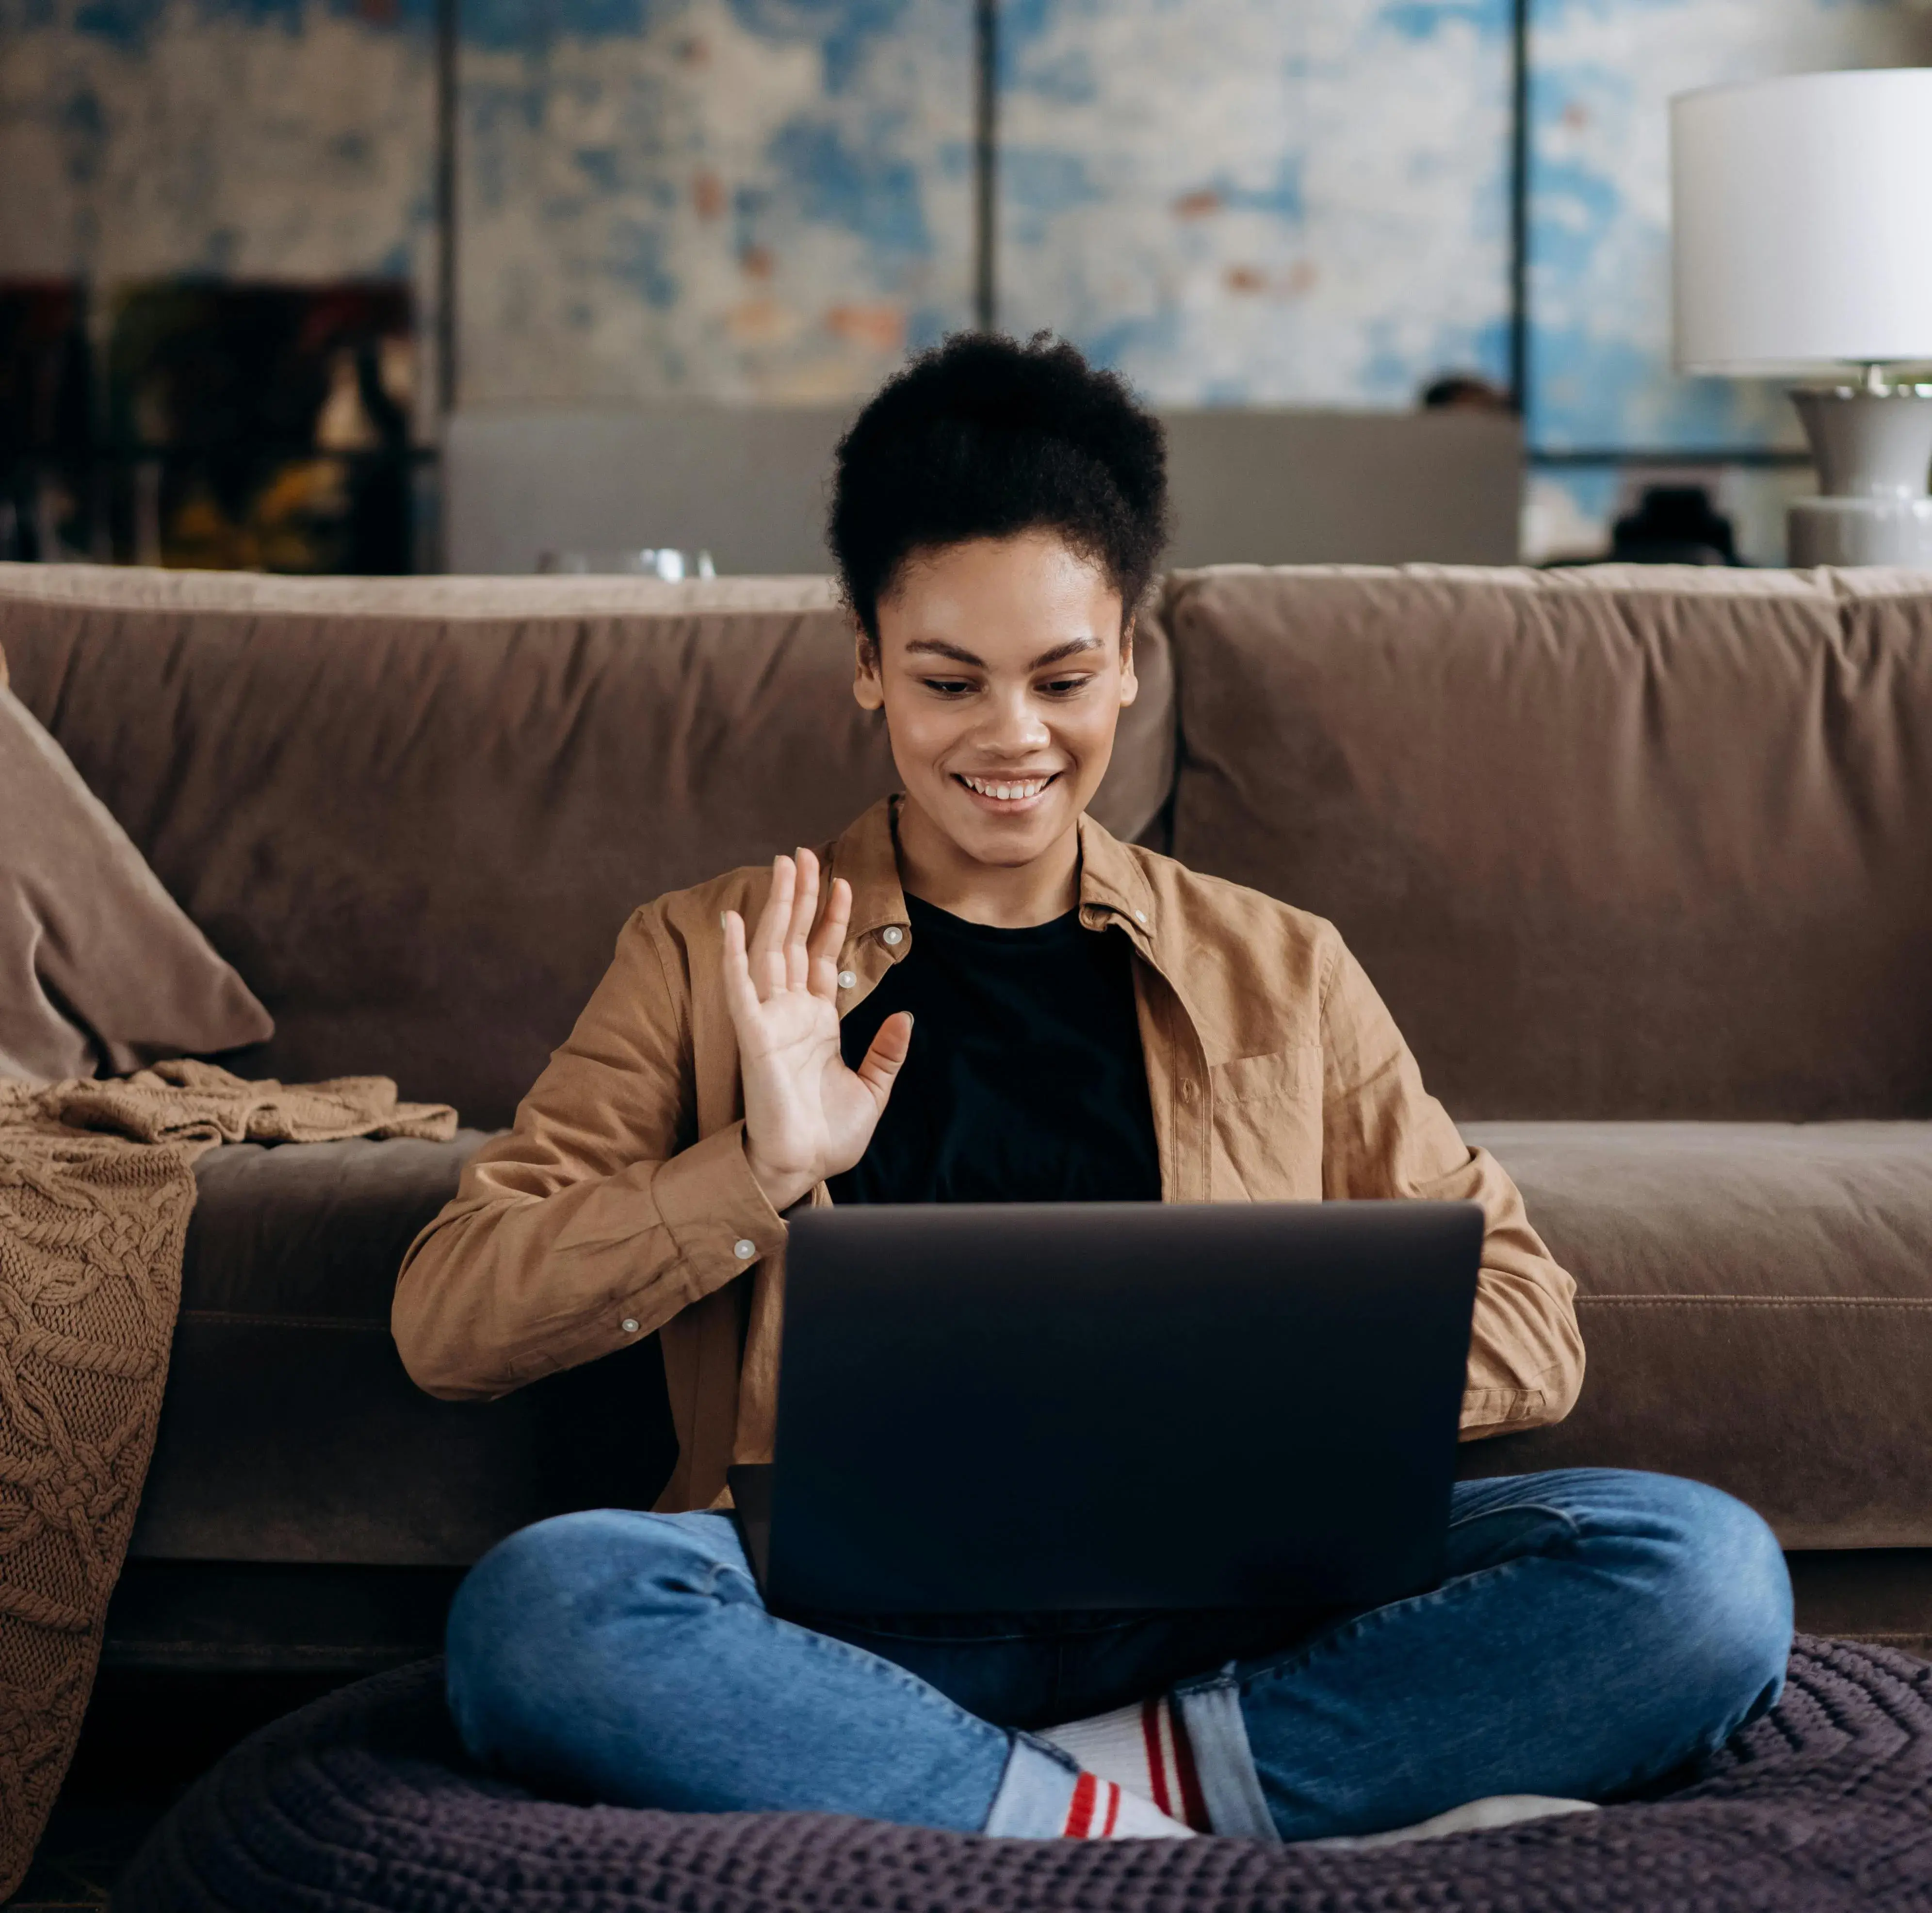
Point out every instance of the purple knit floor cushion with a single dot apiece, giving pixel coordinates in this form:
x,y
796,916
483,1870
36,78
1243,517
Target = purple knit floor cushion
x,y
363,1800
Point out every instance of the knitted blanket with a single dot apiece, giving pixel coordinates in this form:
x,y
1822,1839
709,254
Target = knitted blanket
x,y
97,1183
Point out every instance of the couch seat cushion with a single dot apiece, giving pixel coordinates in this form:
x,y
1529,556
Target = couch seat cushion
x,y
314,1230
1756,1301
289,1431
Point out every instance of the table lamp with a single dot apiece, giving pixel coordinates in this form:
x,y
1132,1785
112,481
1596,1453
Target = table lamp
x,y
1801,240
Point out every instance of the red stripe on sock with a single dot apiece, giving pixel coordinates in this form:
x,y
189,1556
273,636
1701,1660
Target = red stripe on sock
x,y
1157,1758
1113,1810
1080,1809
1193,1807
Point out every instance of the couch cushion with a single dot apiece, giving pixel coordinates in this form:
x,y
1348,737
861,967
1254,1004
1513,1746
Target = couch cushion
x,y
98,965
1756,1301
1625,843
289,1431
416,812
313,1231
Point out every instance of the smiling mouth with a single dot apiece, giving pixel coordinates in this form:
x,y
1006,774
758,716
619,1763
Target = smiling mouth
x,y
1007,793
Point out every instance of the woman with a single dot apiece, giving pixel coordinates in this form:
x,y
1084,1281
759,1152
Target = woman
x,y
977,993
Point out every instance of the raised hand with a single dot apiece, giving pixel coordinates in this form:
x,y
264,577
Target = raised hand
x,y
807,1116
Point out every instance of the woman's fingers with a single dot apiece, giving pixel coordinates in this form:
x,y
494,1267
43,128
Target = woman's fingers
x,y
882,1062
828,941
784,952
767,946
804,907
741,995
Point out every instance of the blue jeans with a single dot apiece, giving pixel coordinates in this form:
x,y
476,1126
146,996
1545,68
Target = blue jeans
x,y
1595,1629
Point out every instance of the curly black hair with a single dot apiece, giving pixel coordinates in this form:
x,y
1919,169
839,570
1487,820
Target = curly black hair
x,y
985,437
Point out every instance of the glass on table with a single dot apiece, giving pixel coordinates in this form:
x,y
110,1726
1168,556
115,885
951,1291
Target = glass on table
x,y
663,561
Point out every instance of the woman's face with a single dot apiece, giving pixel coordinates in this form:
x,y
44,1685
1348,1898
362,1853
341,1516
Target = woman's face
x,y
1002,668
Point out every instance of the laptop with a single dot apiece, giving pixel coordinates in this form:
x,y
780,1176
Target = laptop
x,y
1031,1407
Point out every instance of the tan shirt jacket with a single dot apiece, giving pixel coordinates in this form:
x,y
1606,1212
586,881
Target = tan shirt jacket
x,y
621,1203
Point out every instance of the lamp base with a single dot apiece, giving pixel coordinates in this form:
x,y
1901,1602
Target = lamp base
x,y
1859,531
1872,445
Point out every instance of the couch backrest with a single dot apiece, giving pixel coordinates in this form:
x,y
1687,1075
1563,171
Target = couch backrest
x,y
414,813
1616,843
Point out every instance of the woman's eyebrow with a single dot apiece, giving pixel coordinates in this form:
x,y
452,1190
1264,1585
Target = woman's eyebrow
x,y
1072,648
939,647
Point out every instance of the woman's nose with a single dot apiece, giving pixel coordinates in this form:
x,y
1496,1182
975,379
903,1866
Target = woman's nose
x,y
1015,724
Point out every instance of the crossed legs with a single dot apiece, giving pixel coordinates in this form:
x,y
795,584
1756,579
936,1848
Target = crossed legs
x,y
1595,1629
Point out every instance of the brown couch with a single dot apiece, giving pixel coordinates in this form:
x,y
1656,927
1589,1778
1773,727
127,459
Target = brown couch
x,y
1641,859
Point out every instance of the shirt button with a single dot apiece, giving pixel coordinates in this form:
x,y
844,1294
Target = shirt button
x,y
629,1325
1187,1092
744,1248
892,935
847,979
1140,916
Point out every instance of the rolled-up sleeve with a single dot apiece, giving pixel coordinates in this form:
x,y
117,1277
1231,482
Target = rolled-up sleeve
x,y
1384,1135
598,1216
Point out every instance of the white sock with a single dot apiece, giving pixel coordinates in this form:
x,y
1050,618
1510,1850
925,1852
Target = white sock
x,y
1144,1749
1043,1795
1103,1810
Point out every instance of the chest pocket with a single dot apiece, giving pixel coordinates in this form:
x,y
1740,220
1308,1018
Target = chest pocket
x,y
1267,1127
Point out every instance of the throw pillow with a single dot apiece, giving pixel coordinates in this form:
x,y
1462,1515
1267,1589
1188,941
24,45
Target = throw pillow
x,y
99,968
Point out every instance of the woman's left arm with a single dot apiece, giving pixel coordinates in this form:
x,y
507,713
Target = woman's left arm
x,y
1383,1134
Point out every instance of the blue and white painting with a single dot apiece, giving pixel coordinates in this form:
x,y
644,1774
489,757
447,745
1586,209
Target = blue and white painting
x,y
716,198
1248,202
262,138
1233,201
736,199
145,139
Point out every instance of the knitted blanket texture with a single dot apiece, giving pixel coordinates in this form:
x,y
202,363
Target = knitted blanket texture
x,y
364,1803
97,1185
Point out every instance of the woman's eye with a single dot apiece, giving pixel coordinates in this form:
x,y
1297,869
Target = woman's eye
x,y
1065,687
950,687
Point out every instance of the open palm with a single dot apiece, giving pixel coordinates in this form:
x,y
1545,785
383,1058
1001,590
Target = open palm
x,y
807,1115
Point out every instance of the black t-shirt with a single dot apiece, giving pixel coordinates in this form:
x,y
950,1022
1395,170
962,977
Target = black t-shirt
x,y
1025,1082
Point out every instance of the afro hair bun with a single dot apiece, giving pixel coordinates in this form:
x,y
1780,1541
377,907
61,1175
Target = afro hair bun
x,y
985,437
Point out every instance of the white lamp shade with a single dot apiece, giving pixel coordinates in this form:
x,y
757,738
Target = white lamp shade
x,y
1801,222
